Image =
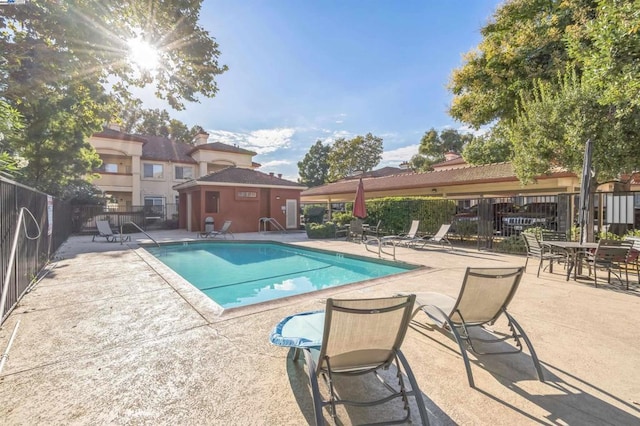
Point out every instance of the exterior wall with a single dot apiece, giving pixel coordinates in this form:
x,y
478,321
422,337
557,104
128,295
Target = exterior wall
x,y
162,187
204,157
244,212
125,182
125,148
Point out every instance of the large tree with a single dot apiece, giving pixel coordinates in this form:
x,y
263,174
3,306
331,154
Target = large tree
x,y
155,122
66,63
434,146
314,167
10,126
552,74
348,156
607,48
525,41
494,147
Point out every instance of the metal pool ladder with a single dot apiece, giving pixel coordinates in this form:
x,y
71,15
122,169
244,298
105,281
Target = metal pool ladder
x,y
262,224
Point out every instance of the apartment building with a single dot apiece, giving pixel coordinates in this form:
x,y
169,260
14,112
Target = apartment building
x,y
142,170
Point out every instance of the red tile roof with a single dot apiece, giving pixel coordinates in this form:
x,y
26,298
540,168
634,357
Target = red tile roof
x,y
160,148
499,172
453,162
108,133
219,146
384,171
247,177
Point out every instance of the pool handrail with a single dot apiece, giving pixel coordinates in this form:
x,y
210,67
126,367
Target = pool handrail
x,y
377,241
140,229
262,223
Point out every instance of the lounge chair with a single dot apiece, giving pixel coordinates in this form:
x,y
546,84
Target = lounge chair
x,y
224,231
403,239
373,230
440,238
104,230
484,296
350,338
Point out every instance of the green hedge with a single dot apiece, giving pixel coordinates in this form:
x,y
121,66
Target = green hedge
x,y
320,230
396,213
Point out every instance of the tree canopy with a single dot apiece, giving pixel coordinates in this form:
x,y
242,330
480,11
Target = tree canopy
x,y
67,65
10,126
493,147
348,156
314,167
551,74
434,146
525,41
156,122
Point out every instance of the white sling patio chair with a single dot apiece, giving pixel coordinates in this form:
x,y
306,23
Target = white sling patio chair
x,y
440,237
224,231
484,296
350,338
403,239
104,230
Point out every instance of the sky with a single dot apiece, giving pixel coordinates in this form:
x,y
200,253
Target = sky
x,y
302,71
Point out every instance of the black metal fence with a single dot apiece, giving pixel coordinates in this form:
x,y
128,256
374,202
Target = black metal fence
x,y
489,218
146,217
32,227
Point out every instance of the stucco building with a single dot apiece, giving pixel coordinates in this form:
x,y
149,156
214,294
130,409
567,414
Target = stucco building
x,y
142,170
199,180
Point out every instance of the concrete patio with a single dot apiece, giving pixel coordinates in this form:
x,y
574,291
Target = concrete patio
x,y
109,336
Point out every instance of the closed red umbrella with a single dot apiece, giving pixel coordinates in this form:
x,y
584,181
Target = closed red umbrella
x,y
359,207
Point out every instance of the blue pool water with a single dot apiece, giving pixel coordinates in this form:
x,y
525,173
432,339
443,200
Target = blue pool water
x,y
238,274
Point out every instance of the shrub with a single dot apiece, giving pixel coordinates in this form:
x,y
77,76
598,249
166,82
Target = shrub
x,y
342,219
320,230
513,245
313,214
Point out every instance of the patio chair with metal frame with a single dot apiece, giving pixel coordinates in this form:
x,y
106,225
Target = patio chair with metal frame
x,y
439,237
612,256
350,338
539,251
547,235
104,230
224,231
483,298
403,239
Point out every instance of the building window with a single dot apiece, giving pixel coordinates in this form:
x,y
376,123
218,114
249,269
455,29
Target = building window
x,y
246,194
153,206
110,167
212,201
184,172
153,171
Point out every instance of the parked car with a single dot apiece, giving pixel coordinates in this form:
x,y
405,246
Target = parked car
x,y
468,219
543,215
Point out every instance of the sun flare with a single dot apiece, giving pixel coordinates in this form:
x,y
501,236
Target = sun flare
x,y
143,54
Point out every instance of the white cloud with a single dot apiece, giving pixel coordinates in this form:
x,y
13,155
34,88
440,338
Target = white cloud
x,y
336,134
400,154
261,141
475,132
275,163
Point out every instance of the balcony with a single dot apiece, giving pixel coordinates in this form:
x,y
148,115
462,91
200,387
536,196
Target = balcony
x,y
108,181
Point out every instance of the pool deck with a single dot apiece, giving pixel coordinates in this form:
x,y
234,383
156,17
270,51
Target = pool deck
x,y
106,338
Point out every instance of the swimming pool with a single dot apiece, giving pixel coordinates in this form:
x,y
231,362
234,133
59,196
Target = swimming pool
x,y
236,274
